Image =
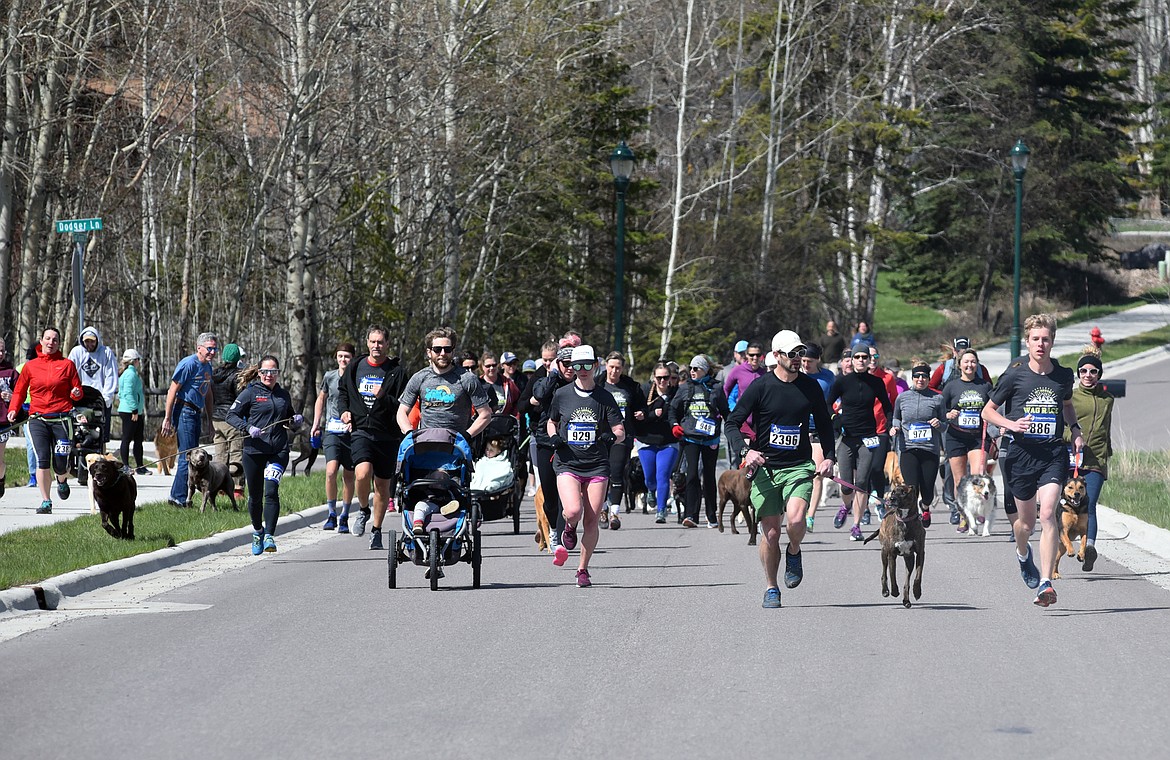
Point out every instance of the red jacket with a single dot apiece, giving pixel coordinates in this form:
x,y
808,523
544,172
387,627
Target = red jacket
x,y
52,382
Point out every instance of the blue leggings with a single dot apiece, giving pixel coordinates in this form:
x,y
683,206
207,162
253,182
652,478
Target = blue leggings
x,y
658,465
1093,483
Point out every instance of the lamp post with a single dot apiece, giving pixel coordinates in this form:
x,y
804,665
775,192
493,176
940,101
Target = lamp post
x,y
621,164
1019,168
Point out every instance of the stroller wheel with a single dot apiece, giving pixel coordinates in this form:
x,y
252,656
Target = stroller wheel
x,y
433,556
476,559
392,557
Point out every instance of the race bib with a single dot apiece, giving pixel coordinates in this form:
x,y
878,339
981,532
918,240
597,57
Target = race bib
x,y
581,433
872,442
273,472
61,448
335,425
918,431
784,437
5,436
969,420
1041,426
369,386
705,425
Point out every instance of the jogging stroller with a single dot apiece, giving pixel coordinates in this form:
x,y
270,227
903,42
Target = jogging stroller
x,y
89,417
497,486
435,465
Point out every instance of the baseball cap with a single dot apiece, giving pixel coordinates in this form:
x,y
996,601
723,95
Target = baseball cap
x,y
507,357
741,347
700,362
787,340
770,359
962,343
130,355
582,354
529,366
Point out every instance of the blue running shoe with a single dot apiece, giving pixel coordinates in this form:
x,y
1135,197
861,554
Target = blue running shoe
x,y
343,524
1029,572
771,599
32,480
330,522
865,517
257,544
46,508
63,490
793,570
1046,596
269,543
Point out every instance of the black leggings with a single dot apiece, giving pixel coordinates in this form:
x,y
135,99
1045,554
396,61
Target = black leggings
x,y
47,437
264,514
548,486
132,432
920,469
619,459
700,482
877,471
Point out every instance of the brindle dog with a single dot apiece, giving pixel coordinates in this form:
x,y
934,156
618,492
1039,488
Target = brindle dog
x,y
901,532
210,478
736,488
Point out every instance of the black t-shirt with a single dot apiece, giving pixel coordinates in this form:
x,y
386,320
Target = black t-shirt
x,y
857,392
780,414
969,397
581,419
629,398
1021,392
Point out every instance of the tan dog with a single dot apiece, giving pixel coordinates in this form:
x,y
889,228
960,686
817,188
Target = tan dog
x,y
541,536
893,470
1073,512
167,448
89,460
901,532
736,488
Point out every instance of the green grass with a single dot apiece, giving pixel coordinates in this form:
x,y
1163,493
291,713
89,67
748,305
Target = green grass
x,y
1119,349
894,319
35,554
1137,486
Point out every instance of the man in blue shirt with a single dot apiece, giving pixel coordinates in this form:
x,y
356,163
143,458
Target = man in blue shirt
x,y
188,399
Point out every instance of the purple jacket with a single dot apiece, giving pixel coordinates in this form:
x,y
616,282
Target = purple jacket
x,y
739,378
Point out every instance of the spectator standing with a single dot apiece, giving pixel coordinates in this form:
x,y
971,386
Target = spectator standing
x,y
189,399
229,442
98,369
863,336
832,345
132,409
8,378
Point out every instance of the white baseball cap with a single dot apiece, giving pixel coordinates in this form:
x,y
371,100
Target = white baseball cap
x,y
785,341
583,354
130,355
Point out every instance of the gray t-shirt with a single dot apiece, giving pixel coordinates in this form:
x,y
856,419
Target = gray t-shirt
x,y
332,422
446,400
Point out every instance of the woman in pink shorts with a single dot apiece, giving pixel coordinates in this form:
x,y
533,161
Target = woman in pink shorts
x,y
583,422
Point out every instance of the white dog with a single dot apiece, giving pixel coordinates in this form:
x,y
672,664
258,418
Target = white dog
x,y
976,495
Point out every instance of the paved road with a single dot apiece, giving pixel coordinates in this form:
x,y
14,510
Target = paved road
x,y
1141,420
306,653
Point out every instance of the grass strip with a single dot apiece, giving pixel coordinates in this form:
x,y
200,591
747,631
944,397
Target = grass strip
x,y
1120,349
1137,486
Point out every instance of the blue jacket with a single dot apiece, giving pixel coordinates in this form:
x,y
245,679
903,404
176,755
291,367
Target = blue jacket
x,y
258,406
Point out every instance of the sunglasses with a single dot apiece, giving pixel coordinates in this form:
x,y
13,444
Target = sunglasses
x,y
269,372
442,349
795,354
210,349
924,375
754,356
661,378
489,366
863,357
1090,371
582,366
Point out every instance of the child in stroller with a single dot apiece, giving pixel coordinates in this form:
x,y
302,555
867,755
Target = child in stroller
x,y
436,492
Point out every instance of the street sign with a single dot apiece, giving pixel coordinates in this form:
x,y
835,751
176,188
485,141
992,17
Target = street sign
x,y
79,225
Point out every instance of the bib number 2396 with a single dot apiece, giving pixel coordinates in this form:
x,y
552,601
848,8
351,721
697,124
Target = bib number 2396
x,y
784,437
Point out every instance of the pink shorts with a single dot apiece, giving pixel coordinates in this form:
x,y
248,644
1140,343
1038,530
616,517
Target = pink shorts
x,y
583,479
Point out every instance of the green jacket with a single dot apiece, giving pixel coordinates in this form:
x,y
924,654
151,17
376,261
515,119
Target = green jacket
x,y
1095,415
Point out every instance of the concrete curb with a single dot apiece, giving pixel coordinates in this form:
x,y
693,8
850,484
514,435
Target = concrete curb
x,y
1149,538
49,593
1137,361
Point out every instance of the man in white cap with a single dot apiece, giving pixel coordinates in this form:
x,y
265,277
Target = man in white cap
x,y
780,405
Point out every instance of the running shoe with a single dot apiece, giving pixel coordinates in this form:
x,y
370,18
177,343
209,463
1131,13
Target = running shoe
x,y
32,480
583,579
257,544
569,537
63,489
560,555
926,518
865,517
1029,572
615,522
142,471
1046,596
359,522
660,519
603,518
771,599
712,524
375,539
955,516
689,523
330,522
449,508
842,513
1090,558
793,570
855,534
962,527
46,508
269,543
343,524
420,529
808,523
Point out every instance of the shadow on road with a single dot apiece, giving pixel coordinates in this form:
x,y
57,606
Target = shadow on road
x,y
1108,611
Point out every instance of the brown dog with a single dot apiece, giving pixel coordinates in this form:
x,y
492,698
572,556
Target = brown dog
x,y
115,492
901,532
1073,513
893,469
541,536
210,478
167,451
736,488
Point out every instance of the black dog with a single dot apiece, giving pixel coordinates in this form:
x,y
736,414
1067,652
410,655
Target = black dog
x,y
304,450
115,493
210,478
636,485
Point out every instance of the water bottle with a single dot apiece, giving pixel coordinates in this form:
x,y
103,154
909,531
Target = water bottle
x,y
315,441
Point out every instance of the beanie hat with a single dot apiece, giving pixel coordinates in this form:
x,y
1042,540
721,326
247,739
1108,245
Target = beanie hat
x,y
231,353
1092,360
700,362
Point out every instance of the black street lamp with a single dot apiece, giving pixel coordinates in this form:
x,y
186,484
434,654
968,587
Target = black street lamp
x,y
621,164
1019,168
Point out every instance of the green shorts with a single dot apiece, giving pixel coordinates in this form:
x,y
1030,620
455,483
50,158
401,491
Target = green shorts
x,y
773,487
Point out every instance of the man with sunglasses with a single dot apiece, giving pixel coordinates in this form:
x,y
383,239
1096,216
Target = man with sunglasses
x,y
780,406
367,396
448,396
190,391
738,379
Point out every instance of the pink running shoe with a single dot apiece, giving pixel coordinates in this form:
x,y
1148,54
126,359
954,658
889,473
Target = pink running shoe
x,y
569,536
583,579
560,555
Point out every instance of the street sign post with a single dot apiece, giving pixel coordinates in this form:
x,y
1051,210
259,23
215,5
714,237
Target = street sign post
x,y
80,229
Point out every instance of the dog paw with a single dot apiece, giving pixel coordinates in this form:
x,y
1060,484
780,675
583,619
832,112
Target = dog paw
x,y
1055,575
885,592
906,603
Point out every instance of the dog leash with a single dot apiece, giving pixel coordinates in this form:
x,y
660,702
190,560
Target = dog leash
x,y
858,489
176,455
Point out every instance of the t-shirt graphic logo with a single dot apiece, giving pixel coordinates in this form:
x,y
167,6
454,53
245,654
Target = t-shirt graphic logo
x,y
90,367
581,429
439,397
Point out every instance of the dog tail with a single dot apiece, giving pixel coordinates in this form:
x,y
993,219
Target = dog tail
x,y
872,536
236,469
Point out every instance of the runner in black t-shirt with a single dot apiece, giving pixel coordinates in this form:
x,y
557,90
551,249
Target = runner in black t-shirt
x,y
967,441
857,392
583,422
1036,394
631,403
